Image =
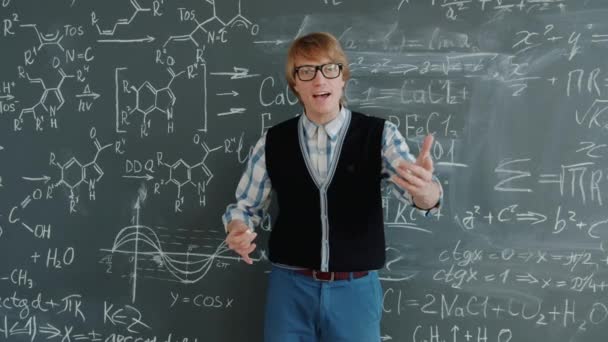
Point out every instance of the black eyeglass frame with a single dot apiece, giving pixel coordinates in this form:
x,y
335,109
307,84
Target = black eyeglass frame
x,y
318,68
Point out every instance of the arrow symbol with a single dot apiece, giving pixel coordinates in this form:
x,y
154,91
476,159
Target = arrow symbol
x,y
532,216
455,330
526,256
237,74
146,177
7,97
232,111
527,278
44,178
51,330
93,95
233,93
148,39
275,42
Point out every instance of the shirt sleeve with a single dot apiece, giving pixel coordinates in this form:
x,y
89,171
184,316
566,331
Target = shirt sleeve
x,y
253,191
394,148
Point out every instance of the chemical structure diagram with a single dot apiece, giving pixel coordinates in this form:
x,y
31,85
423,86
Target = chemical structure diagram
x,y
214,28
122,21
46,38
149,98
51,100
180,174
75,173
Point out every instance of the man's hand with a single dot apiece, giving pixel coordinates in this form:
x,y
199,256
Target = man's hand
x,y
240,239
417,178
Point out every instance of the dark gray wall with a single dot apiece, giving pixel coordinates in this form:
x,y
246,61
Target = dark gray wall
x,y
125,127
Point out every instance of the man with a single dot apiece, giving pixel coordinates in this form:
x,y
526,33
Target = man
x,y
326,167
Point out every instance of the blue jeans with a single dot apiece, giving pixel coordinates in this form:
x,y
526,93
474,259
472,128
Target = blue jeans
x,y
301,309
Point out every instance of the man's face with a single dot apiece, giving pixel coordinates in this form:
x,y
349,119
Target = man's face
x,y
320,96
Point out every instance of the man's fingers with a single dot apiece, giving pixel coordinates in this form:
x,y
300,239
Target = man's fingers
x,y
245,244
240,239
402,183
247,259
407,169
242,236
245,238
245,254
427,164
425,150
411,178
251,248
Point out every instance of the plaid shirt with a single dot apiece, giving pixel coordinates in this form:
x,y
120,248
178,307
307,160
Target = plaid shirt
x,y
253,190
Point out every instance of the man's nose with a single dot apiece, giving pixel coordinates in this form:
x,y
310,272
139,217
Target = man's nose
x,y
319,77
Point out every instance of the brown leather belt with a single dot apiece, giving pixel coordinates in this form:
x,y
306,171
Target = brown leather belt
x,y
331,276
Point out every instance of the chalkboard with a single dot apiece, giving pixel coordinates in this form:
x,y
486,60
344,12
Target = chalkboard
x,y
125,126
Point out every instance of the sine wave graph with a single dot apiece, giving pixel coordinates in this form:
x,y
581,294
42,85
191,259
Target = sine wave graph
x,y
143,244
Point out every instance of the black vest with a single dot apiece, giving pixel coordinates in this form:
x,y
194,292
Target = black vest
x,y
354,204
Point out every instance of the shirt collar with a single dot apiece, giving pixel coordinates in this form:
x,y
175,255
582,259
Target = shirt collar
x,y
332,128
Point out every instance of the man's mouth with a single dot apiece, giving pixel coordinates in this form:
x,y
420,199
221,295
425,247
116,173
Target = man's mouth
x,y
322,95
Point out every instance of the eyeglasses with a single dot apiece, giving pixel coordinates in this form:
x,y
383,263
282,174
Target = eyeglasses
x,y
308,72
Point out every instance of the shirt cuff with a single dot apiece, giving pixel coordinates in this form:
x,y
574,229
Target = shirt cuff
x,y
230,216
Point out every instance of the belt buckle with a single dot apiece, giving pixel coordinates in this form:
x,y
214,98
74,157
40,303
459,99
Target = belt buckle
x,y
314,276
